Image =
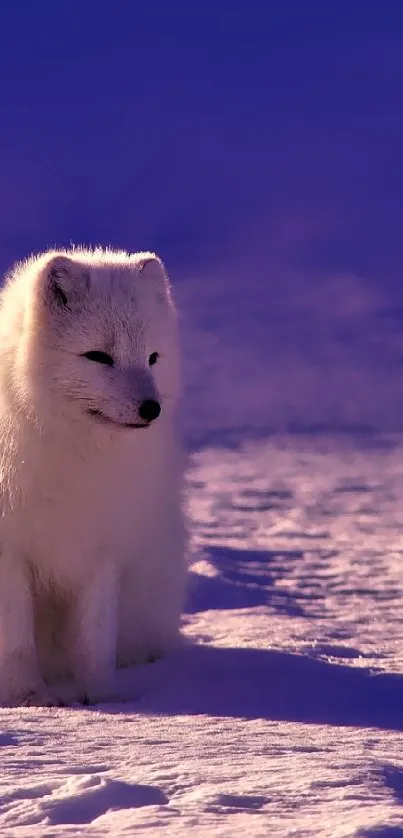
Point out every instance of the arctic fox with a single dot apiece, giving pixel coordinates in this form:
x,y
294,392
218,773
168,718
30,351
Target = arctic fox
x,y
92,535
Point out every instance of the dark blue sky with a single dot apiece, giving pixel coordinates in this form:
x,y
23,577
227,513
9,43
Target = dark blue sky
x,y
199,128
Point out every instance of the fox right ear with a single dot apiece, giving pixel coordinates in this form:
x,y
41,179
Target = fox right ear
x,y
66,281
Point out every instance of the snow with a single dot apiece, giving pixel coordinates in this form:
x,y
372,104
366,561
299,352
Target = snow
x,y
269,346
282,713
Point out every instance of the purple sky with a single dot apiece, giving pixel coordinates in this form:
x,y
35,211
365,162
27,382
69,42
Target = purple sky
x,y
187,126
257,146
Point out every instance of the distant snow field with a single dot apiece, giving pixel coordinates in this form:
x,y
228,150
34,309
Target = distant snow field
x,y
283,713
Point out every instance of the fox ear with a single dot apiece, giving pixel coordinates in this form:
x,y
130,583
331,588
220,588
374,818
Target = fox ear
x,y
152,269
66,281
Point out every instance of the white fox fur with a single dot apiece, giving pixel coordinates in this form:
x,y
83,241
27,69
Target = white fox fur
x,y
92,536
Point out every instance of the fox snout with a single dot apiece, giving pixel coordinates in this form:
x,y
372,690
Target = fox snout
x,y
145,394
149,410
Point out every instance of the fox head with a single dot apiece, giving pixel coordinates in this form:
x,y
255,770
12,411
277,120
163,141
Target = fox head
x,y
98,339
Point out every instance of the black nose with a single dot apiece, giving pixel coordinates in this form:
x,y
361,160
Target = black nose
x,y
149,410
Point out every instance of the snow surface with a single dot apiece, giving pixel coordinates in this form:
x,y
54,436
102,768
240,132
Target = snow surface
x,y
283,713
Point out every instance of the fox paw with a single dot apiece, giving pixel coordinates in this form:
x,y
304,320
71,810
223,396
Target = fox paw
x,y
39,696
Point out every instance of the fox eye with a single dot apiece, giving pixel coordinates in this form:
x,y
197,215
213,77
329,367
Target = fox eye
x,y
153,358
99,357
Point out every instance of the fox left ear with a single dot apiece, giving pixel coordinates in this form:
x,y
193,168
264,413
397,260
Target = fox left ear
x,y
152,269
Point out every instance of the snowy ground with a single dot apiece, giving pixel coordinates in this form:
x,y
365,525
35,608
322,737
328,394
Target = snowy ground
x,y
284,713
